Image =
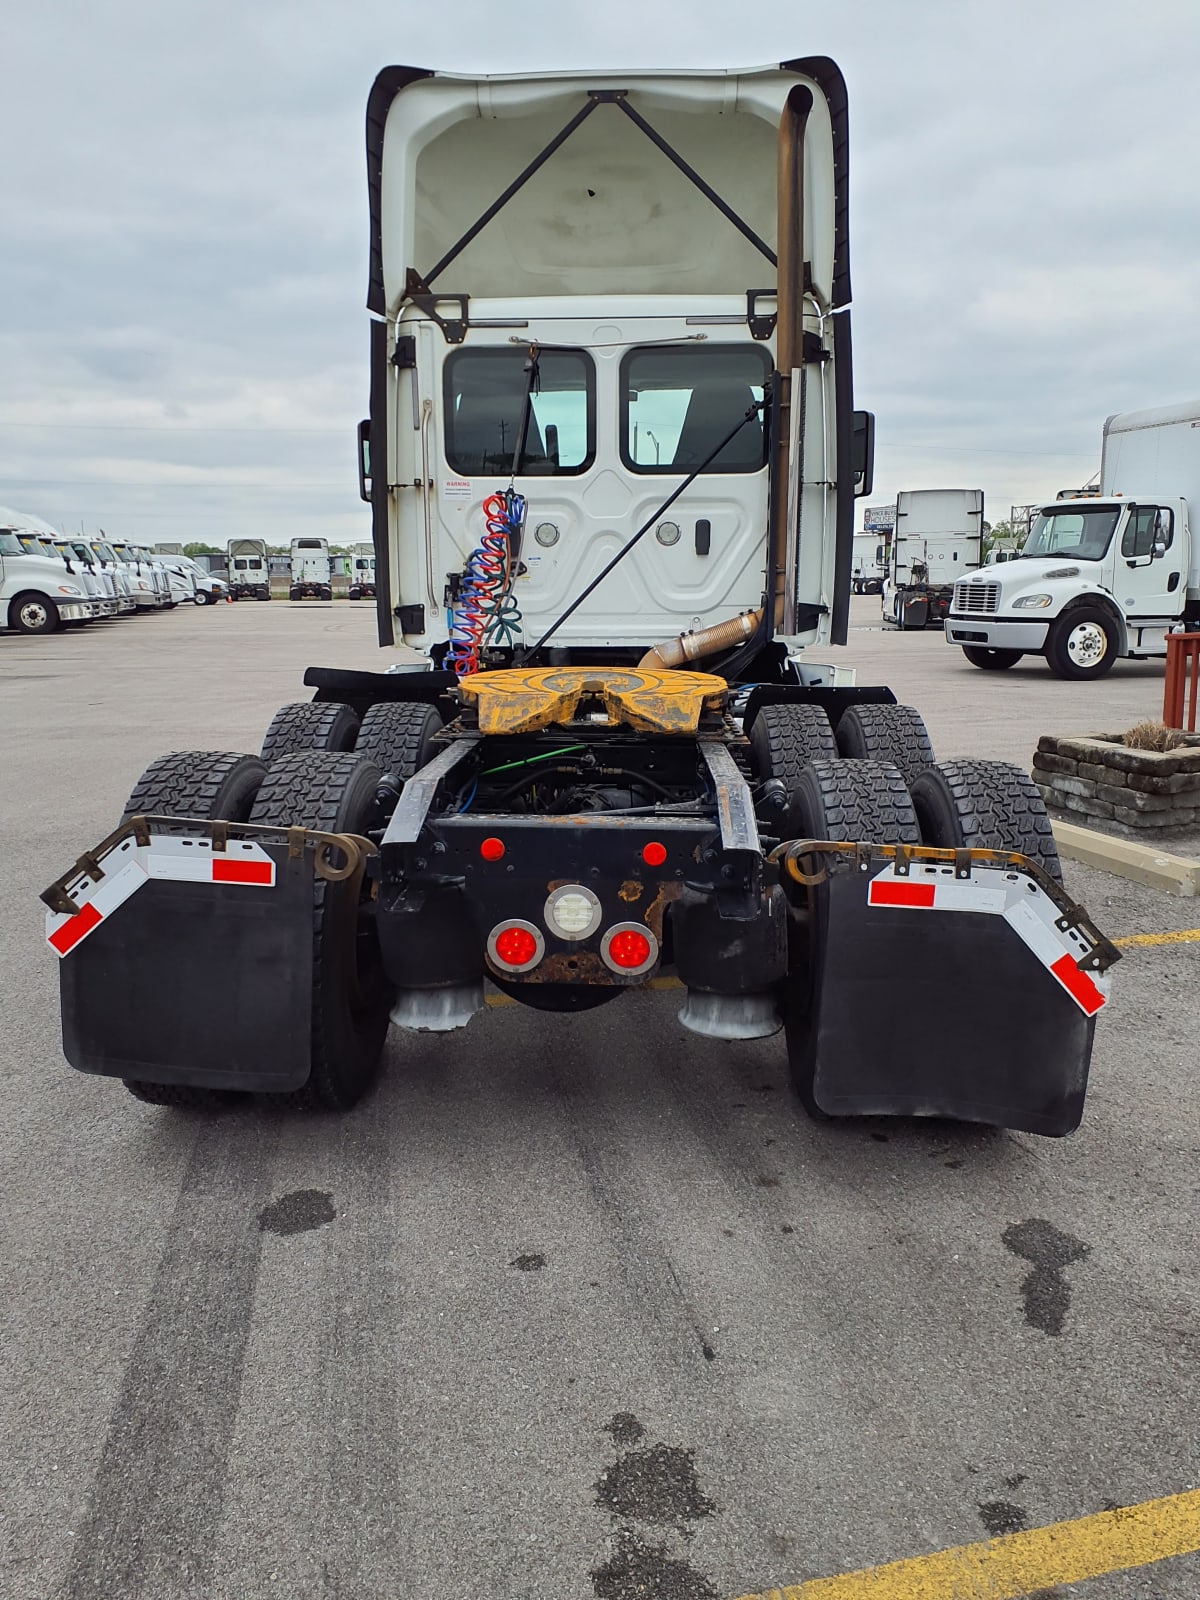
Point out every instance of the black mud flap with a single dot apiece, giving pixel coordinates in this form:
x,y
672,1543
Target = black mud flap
x,y
921,1005
190,980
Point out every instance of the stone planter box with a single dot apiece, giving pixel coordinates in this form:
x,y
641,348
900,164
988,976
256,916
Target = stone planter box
x,y
1100,778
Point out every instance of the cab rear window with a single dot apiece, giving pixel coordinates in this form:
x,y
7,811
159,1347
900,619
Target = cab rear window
x,y
484,398
680,401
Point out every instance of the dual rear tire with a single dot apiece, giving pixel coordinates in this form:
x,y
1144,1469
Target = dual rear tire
x,y
887,789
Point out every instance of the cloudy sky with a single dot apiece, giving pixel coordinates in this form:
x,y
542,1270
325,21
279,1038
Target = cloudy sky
x,y
183,233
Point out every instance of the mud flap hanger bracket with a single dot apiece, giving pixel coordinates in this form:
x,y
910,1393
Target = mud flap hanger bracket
x,y
739,888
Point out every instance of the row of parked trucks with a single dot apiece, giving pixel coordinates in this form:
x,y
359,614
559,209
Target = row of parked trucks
x,y
311,570
50,580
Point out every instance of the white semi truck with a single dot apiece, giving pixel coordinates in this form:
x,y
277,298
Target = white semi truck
x,y
1102,575
612,458
249,569
938,538
312,570
37,592
869,568
362,572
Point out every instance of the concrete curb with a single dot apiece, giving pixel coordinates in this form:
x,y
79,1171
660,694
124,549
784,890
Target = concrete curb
x,y
1129,858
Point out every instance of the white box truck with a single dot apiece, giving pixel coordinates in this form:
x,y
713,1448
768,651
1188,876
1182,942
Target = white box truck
x,y
362,572
312,571
1101,575
249,569
938,538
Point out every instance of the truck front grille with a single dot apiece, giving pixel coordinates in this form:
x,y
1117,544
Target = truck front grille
x,y
976,599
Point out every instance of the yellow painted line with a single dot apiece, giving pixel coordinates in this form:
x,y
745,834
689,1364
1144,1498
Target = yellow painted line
x,y
1020,1564
662,983
1183,936
498,1000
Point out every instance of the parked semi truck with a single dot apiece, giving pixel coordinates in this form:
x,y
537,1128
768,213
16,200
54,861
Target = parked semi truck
x,y
1105,572
869,566
611,459
249,569
37,593
312,571
938,538
362,572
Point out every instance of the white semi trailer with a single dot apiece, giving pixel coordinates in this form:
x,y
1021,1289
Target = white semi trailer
x,y
1104,574
312,570
938,538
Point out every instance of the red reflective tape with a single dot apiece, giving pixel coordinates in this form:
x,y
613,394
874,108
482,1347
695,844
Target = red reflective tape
x,y
242,872
887,892
68,935
1078,985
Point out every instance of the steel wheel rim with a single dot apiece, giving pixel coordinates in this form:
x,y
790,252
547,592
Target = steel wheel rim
x,y
1087,644
34,615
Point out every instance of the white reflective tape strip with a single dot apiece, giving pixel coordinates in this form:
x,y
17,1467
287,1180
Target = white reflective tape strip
x,y
107,895
169,857
192,868
996,891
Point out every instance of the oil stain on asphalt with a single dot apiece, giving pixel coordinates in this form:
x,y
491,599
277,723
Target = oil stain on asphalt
x,y
1045,1291
298,1212
655,1486
529,1263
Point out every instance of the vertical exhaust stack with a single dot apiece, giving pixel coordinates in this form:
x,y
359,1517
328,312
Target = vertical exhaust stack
x,y
789,357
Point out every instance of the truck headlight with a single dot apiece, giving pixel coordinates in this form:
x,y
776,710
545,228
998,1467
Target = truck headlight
x,y
68,588
1033,602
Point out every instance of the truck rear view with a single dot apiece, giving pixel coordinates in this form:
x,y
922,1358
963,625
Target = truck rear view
x,y
249,569
611,459
312,570
938,539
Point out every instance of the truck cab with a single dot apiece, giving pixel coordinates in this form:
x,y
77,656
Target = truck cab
x,y
248,567
37,593
1096,579
362,572
312,570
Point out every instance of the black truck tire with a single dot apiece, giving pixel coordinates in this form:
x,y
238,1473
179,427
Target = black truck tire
x,y
1082,643
351,997
194,783
784,739
33,613
990,659
837,800
886,733
310,725
986,805
197,783
397,735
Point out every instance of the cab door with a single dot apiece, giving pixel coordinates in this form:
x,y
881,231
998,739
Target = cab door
x,y
1149,576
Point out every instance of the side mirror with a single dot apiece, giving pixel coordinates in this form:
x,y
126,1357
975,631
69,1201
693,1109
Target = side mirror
x,y
364,459
1159,550
862,452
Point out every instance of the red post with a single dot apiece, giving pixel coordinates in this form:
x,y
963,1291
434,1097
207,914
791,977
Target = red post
x,y
1180,689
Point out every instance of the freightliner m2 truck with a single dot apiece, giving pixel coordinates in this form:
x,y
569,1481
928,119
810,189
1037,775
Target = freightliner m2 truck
x,y
1104,574
938,538
611,459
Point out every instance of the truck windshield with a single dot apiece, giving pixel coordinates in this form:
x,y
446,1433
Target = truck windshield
x,y
10,545
681,401
1083,534
485,405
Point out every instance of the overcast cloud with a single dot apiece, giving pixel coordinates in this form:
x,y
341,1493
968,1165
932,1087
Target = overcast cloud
x,y
183,339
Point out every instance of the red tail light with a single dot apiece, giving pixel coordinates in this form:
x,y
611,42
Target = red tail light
x,y
654,854
516,946
629,948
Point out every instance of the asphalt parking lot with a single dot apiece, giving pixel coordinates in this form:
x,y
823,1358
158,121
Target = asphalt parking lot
x,y
571,1307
